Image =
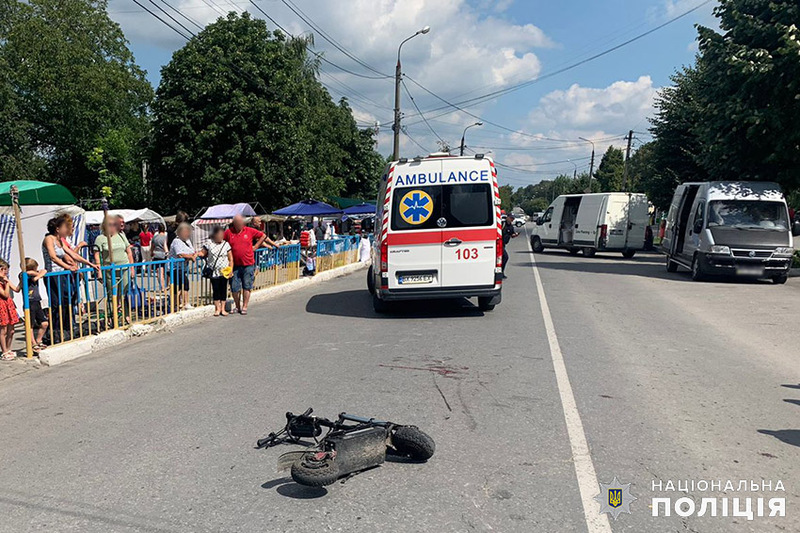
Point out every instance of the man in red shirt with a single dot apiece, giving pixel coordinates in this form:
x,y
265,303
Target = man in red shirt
x,y
244,241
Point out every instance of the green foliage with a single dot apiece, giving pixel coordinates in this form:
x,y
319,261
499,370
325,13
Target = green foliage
x,y
736,113
537,197
67,83
506,200
241,116
610,172
750,92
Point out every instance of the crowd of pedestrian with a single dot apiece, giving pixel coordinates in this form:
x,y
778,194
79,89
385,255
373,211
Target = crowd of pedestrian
x,y
228,255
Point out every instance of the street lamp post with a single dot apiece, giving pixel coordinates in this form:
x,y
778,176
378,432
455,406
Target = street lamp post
x,y
398,76
575,173
463,135
591,164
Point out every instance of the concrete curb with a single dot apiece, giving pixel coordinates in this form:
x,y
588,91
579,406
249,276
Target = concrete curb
x,y
55,355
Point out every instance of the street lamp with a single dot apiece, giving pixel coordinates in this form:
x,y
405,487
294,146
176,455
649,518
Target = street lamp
x,y
575,173
465,134
398,75
591,164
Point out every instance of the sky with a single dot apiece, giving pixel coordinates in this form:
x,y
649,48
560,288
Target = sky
x,y
474,48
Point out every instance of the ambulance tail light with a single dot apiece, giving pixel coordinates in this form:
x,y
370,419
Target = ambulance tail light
x,y
498,265
384,257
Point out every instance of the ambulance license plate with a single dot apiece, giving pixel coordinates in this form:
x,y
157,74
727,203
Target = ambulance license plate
x,y
416,279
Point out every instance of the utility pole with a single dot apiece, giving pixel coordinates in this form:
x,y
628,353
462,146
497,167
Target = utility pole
x,y
627,157
398,77
591,163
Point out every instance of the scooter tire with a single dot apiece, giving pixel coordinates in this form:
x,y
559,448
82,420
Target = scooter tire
x,y
316,474
413,442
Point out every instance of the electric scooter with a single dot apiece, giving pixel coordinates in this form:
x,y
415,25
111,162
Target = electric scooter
x,y
350,445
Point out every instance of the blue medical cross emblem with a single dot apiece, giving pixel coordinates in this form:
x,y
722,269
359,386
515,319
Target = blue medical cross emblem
x,y
416,207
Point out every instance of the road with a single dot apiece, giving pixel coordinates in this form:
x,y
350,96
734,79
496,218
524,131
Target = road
x,y
669,379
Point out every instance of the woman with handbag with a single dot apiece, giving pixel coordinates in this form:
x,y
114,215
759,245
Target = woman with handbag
x,y
219,258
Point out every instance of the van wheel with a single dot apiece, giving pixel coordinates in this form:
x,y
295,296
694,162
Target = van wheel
x,y
589,252
672,266
574,251
536,245
780,279
484,305
628,254
370,281
378,305
697,270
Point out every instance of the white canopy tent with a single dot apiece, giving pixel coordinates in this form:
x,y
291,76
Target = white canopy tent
x,y
34,228
95,218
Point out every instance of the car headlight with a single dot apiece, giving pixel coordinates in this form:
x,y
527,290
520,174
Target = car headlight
x,y
784,250
719,249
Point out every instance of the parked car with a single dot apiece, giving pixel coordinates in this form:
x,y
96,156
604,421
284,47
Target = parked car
x,y
739,228
612,221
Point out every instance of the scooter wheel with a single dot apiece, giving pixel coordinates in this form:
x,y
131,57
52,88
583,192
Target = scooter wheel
x,y
413,442
314,472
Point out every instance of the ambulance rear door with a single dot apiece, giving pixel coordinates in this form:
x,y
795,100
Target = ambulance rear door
x,y
414,238
469,224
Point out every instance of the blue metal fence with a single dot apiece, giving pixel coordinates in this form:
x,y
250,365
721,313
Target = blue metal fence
x,y
88,301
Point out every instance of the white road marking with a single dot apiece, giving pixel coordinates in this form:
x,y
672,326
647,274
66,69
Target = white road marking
x,y
584,467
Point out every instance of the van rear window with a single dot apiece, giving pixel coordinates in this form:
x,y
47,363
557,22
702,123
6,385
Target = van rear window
x,y
463,205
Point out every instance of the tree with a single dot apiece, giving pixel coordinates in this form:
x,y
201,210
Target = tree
x,y
676,148
506,200
67,81
609,174
749,125
240,115
735,113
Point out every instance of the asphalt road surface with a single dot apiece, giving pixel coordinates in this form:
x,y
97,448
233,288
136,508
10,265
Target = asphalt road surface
x,y
655,376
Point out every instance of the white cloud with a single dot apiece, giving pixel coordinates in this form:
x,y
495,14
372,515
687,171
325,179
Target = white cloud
x,y
618,107
470,46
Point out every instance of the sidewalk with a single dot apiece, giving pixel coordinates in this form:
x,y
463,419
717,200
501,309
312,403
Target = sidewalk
x,y
95,343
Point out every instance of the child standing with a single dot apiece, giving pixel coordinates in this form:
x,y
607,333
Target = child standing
x,y
38,316
8,313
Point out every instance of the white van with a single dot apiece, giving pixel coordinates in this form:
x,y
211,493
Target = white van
x,y
610,221
437,232
737,228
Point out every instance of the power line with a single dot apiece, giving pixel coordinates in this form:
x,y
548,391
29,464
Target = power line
x,y
459,106
173,19
162,20
305,18
425,150
316,54
420,112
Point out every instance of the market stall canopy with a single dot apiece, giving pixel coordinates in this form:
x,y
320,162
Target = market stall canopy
x,y
36,193
360,209
229,211
129,215
273,218
308,208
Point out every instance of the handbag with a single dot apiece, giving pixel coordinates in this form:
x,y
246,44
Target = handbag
x,y
208,271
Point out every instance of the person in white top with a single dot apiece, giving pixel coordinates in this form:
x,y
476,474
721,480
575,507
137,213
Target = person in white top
x,y
218,256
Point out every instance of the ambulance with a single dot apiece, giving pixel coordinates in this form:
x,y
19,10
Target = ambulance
x,y
437,232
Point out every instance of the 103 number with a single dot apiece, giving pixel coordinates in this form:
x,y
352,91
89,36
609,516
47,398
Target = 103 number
x,y
465,254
